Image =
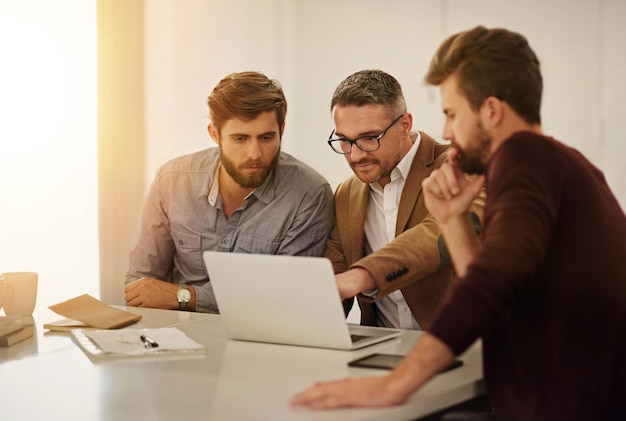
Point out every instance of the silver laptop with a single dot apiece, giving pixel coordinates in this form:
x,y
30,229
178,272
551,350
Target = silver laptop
x,y
289,300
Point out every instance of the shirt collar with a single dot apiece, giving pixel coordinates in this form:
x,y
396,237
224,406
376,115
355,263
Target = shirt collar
x,y
214,191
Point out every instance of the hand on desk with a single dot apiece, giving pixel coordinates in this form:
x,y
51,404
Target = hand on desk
x,y
424,361
152,293
361,392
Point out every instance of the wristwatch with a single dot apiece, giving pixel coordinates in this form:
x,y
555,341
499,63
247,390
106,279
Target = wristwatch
x,y
184,296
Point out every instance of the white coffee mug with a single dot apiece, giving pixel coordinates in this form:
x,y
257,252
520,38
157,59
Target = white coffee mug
x,y
19,293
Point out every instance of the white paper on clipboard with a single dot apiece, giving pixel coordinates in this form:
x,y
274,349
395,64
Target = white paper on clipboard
x,y
128,342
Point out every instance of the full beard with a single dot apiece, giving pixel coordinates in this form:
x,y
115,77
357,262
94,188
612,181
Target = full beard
x,y
252,180
474,160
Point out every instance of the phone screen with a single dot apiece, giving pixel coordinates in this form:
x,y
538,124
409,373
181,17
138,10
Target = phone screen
x,y
390,361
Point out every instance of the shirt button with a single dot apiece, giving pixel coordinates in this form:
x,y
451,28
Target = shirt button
x,y
403,309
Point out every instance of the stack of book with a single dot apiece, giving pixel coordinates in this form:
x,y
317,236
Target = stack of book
x,y
14,330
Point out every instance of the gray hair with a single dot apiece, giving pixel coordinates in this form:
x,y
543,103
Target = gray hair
x,y
370,87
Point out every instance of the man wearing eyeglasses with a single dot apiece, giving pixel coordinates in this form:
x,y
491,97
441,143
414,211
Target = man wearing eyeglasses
x,y
385,247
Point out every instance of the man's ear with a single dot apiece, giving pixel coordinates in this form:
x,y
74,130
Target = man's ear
x,y
407,123
492,112
213,133
282,130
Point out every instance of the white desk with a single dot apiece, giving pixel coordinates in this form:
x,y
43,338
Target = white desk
x,y
50,377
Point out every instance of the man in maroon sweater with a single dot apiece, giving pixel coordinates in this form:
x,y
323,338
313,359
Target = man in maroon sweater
x,y
545,285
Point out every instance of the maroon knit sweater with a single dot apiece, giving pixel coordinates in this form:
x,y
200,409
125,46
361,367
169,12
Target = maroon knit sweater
x,y
547,291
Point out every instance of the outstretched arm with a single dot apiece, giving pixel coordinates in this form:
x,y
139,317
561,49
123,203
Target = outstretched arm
x,y
426,359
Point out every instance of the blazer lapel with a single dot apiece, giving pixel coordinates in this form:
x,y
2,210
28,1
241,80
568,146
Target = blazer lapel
x,y
420,169
359,198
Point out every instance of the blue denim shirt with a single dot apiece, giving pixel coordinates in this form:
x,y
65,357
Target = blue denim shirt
x,y
291,213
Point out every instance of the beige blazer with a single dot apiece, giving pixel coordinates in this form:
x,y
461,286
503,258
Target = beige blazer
x,y
416,261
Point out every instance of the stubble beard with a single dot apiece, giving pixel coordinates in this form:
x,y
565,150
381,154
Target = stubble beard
x,y
384,172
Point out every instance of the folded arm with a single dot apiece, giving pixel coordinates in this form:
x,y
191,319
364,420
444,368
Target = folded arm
x,y
448,194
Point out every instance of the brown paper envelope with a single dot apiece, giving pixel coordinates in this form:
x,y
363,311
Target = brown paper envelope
x,y
93,312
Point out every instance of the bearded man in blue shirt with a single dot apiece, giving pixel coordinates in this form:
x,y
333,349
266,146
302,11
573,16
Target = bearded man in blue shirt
x,y
244,196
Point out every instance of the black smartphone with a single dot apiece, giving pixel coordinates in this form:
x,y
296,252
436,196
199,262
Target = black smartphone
x,y
390,361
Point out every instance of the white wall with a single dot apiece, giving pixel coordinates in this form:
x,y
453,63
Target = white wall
x,y
311,45
613,94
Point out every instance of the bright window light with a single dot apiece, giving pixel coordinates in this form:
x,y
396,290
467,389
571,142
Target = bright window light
x,y
48,159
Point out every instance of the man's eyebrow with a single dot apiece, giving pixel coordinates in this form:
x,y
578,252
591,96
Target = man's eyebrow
x,y
267,133
362,134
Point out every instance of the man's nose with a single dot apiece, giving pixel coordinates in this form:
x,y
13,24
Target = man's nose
x,y
447,134
254,150
356,154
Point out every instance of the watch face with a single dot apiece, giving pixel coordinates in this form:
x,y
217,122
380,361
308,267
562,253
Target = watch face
x,y
184,295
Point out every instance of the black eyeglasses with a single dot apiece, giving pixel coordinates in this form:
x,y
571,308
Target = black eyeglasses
x,y
364,143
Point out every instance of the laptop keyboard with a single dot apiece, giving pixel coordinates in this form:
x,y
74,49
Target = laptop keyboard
x,y
358,338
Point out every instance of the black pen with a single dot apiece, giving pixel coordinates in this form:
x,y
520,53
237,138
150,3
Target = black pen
x,y
149,342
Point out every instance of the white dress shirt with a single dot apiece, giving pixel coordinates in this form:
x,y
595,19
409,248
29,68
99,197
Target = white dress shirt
x,y
380,229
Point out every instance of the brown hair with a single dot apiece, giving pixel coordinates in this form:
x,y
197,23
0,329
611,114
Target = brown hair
x,y
491,62
370,87
245,95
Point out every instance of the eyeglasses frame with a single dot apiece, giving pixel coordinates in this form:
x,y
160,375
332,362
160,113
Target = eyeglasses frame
x,y
354,141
